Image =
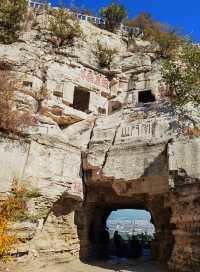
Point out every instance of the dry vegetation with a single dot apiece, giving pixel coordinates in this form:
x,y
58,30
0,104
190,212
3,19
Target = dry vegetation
x,y
154,31
64,28
14,208
104,55
11,119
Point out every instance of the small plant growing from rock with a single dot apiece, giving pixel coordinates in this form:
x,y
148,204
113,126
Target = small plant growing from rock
x,y
14,209
105,55
12,16
64,28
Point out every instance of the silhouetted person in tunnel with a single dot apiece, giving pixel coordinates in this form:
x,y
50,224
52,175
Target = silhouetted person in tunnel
x,y
105,240
117,241
136,247
103,243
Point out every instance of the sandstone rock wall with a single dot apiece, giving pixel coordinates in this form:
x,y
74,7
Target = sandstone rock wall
x,y
184,172
119,152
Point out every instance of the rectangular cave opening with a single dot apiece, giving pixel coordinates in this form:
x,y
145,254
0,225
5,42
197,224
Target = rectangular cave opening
x,y
81,99
146,97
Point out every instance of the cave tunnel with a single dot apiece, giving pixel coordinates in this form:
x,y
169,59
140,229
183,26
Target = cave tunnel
x,y
122,233
95,227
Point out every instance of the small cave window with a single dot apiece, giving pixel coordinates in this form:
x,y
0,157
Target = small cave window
x,y
27,83
81,99
146,97
131,83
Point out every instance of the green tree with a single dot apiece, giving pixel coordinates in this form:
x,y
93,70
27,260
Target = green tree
x,y
182,75
12,16
64,27
114,14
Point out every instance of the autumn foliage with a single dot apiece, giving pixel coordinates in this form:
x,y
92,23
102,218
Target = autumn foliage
x,y
15,206
7,240
11,210
165,36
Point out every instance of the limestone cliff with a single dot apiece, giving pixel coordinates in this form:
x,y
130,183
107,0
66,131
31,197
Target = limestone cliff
x,y
103,139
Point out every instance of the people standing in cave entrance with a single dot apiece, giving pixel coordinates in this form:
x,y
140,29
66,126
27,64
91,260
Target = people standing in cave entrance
x,y
105,240
136,248
117,241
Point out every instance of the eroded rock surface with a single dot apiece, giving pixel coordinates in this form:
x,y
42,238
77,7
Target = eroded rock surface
x,y
98,145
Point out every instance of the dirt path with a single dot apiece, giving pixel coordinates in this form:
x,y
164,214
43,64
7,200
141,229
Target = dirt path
x,y
77,266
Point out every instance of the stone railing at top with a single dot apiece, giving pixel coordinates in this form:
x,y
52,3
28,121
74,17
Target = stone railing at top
x,y
36,4
92,19
134,31
81,16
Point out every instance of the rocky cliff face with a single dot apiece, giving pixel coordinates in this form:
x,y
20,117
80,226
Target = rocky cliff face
x,y
103,139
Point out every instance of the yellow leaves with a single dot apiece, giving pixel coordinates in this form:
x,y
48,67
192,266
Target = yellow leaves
x,y
6,240
13,208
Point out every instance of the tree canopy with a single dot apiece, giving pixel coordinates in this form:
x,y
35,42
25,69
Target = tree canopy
x,y
182,75
114,14
12,15
164,35
64,27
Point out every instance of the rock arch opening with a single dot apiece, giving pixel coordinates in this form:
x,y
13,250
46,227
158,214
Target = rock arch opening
x,y
93,229
123,233
134,232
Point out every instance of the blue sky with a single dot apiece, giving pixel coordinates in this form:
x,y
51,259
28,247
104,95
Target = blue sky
x,y
183,14
128,214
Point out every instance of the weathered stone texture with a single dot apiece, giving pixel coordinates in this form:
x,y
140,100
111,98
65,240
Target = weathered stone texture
x,y
112,151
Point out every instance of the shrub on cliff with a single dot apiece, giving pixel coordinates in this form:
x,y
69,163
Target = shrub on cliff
x,y
12,15
64,27
182,75
104,55
7,240
11,119
114,14
15,209
154,31
12,209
